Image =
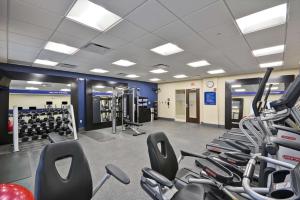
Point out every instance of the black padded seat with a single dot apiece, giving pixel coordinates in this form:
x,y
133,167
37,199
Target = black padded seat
x,y
49,185
190,192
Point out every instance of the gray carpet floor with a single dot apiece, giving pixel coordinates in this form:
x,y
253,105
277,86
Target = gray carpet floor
x,y
130,154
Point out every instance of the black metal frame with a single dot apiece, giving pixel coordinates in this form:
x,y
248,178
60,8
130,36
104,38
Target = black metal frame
x,y
5,79
89,125
286,79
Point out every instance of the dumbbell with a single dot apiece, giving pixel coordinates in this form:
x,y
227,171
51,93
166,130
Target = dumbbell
x,y
45,119
22,122
38,120
34,125
43,124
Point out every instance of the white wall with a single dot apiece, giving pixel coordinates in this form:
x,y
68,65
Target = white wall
x,y
39,101
211,114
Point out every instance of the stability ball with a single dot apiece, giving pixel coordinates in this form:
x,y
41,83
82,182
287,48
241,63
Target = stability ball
x,y
14,192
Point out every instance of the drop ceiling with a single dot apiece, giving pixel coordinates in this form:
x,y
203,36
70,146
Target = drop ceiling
x,y
204,29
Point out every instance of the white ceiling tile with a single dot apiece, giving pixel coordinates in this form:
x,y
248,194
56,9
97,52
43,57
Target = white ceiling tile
x,y
213,15
266,38
57,6
78,30
182,8
26,40
151,16
30,30
149,41
109,41
71,40
22,53
53,56
241,8
270,58
174,31
22,11
127,31
118,7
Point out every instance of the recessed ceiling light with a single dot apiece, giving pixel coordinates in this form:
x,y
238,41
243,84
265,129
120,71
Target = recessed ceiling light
x,y
34,82
240,90
100,71
216,71
167,49
271,64
45,62
154,79
199,63
99,86
61,48
263,19
109,91
180,76
236,86
158,71
69,85
132,76
112,82
268,51
65,90
31,88
93,15
124,63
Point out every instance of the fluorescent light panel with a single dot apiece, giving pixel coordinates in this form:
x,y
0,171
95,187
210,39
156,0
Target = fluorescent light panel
x,y
93,15
132,76
199,63
154,79
167,49
216,71
158,71
180,76
65,90
268,51
98,70
263,19
274,88
34,82
61,48
240,90
272,84
45,62
236,86
124,63
69,85
31,88
271,64
100,86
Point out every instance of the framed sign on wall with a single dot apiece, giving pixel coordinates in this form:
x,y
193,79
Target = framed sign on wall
x,y
210,98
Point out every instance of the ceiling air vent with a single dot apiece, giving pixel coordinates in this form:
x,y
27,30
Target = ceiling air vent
x,y
69,66
161,66
97,48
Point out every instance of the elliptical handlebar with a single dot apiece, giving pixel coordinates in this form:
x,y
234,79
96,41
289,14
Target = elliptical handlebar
x,y
260,91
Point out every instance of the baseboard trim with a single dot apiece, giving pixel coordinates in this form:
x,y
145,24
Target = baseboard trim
x,y
165,118
212,125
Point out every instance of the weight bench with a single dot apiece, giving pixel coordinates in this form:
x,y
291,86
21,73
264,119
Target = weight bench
x,y
134,127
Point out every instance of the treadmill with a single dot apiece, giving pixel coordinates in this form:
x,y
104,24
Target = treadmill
x,y
225,145
258,136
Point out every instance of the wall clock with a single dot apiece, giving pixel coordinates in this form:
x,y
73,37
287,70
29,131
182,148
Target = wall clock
x,y
210,84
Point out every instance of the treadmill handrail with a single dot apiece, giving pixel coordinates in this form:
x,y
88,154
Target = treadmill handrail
x,y
260,91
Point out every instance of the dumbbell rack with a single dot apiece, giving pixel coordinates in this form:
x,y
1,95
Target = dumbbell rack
x,y
66,127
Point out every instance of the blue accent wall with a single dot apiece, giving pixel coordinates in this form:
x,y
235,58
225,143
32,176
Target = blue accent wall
x,y
146,89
